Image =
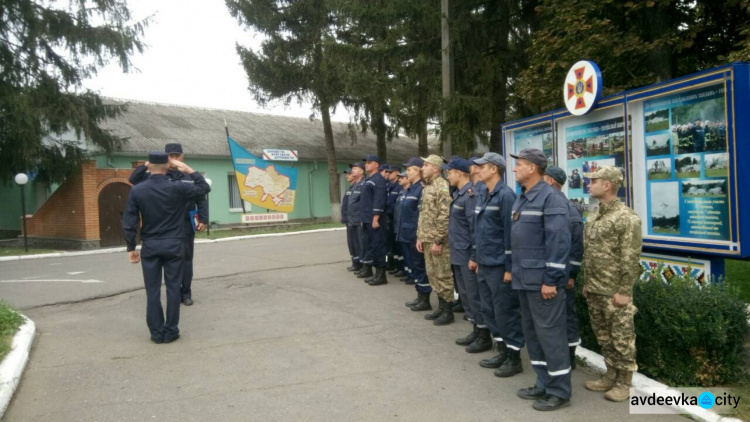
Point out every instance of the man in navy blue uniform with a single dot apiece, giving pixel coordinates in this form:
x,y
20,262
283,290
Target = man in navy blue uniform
x,y
405,273
374,220
200,204
555,177
350,242
407,235
493,261
461,241
157,207
540,242
393,188
354,217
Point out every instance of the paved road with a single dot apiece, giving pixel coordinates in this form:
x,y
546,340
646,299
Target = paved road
x,y
280,331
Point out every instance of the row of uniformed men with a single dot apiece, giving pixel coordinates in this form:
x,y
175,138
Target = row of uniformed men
x,y
514,260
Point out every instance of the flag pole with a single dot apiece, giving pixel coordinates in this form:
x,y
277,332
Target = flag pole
x,y
239,191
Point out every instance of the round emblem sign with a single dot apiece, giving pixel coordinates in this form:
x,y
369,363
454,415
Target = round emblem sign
x,y
583,87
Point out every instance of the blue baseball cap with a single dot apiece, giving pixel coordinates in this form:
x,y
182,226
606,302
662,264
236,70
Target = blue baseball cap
x,y
158,157
173,148
533,155
459,164
383,167
394,168
556,173
372,157
360,165
491,157
414,162
402,174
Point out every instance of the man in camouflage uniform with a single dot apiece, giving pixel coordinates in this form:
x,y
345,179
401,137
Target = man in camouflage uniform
x,y
432,237
612,242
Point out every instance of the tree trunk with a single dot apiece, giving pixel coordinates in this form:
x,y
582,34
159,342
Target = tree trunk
x,y
380,133
333,173
500,89
423,148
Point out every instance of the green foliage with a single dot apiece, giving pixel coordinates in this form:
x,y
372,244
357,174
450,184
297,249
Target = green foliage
x,y
686,334
46,51
10,321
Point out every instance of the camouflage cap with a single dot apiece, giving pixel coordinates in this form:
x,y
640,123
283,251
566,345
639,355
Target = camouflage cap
x,y
610,173
435,160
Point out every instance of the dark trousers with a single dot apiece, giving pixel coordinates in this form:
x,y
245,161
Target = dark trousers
x,y
365,256
377,244
418,270
163,256
468,291
352,242
500,306
187,265
407,265
574,336
544,328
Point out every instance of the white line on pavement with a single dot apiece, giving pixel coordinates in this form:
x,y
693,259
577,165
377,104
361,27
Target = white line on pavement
x,y
51,281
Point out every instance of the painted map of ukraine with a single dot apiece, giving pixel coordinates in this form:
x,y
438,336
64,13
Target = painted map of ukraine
x,y
272,183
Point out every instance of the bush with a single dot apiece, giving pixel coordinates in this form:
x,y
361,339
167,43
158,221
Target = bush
x,y
686,334
10,321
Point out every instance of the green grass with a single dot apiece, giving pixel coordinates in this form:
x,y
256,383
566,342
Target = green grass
x,y
10,320
654,127
659,176
738,274
716,172
218,234
665,231
689,175
20,251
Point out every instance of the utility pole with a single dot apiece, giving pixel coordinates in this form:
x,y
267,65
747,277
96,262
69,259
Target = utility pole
x,y
447,72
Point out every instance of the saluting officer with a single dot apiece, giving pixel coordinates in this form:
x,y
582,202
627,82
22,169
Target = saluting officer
x,y
613,243
407,235
350,242
555,177
140,174
354,217
540,242
375,222
157,207
461,241
493,262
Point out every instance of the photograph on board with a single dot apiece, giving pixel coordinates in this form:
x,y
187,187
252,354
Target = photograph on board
x,y
657,120
660,169
699,127
717,165
710,188
665,208
687,166
658,145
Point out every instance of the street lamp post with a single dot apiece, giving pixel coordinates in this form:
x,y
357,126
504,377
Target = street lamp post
x,y
208,223
21,180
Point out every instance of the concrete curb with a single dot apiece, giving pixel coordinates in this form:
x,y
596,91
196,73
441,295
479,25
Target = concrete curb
x,y
12,367
646,385
123,249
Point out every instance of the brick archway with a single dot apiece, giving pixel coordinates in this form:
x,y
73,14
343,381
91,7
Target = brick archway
x,y
112,199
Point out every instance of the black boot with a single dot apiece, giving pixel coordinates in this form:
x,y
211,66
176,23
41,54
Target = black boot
x,y
391,263
437,312
482,343
424,304
411,303
365,272
446,317
409,282
399,274
572,357
457,306
511,366
379,278
495,361
470,338
356,266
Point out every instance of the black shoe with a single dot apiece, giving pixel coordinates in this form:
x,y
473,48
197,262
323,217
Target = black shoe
x,y
405,278
354,267
424,304
409,281
411,303
365,272
446,317
466,317
432,316
187,301
379,278
550,402
511,366
531,393
482,343
469,339
458,307
400,274
390,263
157,340
495,361
393,271
169,340
572,357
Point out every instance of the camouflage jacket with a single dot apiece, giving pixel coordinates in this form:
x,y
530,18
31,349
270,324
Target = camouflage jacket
x,y
612,249
434,211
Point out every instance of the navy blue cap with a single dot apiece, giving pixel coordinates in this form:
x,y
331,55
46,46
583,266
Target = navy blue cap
x,y
491,157
394,168
383,167
372,157
533,155
173,149
459,164
158,157
556,173
402,174
360,165
414,162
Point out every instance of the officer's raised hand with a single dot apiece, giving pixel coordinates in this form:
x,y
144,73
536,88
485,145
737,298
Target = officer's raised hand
x,y
548,292
134,257
180,166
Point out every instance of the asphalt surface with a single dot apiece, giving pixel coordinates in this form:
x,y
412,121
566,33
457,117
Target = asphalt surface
x,y
279,331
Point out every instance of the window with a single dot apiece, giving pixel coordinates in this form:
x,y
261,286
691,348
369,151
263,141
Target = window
x,y
235,202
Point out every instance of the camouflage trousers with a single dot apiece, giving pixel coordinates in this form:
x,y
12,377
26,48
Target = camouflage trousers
x,y
614,330
439,271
